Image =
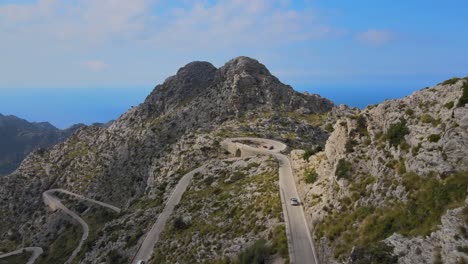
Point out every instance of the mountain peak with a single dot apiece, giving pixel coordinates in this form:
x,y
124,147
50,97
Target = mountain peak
x,y
189,82
196,69
247,65
242,84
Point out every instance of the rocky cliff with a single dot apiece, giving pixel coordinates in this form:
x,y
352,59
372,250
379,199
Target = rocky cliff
x,y
135,163
391,183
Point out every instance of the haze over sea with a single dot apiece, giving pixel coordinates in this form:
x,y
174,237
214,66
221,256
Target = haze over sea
x,y
68,106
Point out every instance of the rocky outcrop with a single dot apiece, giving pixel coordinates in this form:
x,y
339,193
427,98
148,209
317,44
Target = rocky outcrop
x,y
449,242
383,162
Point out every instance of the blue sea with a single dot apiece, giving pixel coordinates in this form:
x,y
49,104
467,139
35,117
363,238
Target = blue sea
x,y
67,106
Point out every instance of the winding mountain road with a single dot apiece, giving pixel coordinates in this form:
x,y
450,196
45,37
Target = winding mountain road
x,y
54,203
300,244
36,252
146,249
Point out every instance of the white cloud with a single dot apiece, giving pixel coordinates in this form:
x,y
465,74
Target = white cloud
x,y
76,21
17,13
376,37
44,37
226,23
237,23
95,65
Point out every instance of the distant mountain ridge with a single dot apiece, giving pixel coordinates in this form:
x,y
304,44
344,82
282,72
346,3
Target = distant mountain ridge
x,y
18,138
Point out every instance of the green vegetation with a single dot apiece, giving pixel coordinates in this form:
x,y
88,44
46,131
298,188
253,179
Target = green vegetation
x,y
396,133
463,249
258,253
180,224
237,175
377,253
451,81
362,125
310,175
280,241
343,169
349,146
358,188
465,214
12,240
415,150
428,200
401,167
409,112
438,257
20,258
115,257
434,138
252,165
329,127
96,218
311,119
133,239
464,97
62,247
311,152
426,119
219,214
449,105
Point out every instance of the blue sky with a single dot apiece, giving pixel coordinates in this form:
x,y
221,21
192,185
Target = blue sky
x,y
87,60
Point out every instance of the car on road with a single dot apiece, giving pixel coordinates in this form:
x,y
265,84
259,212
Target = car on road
x,y
141,262
295,202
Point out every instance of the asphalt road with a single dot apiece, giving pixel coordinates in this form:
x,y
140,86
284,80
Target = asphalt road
x,y
300,244
54,203
36,252
146,249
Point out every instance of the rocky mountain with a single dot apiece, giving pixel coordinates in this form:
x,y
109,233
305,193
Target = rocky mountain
x,y
135,163
386,184
391,184
19,137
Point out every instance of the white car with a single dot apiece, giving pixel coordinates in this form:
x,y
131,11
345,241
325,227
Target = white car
x,y
141,262
295,202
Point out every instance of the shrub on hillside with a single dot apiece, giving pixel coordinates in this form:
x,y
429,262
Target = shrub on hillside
x,y
310,175
464,98
396,133
258,253
180,224
362,125
451,81
349,146
426,119
434,138
280,241
310,152
449,105
329,127
343,169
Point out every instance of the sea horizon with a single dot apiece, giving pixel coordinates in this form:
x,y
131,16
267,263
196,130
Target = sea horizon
x,y
64,107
